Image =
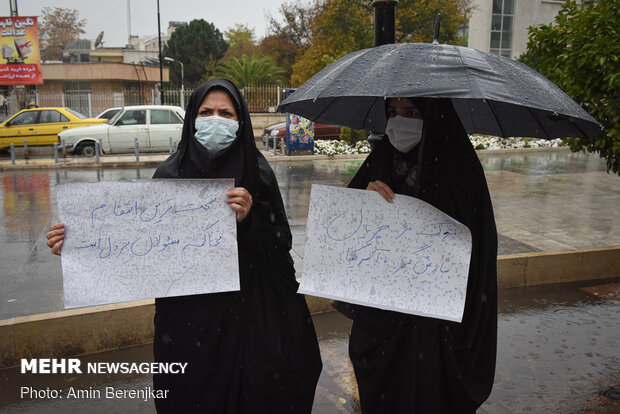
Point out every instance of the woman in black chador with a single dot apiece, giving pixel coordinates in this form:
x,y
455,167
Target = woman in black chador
x,y
410,364
252,351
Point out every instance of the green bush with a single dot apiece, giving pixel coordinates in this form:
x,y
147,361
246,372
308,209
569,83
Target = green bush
x,y
352,136
580,52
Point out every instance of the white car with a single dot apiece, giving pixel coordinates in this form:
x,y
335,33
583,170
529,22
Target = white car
x,y
109,113
152,125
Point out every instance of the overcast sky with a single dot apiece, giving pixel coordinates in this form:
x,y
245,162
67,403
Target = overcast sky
x,y
111,15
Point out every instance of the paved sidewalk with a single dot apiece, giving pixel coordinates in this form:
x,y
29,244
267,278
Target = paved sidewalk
x,y
557,353
544,200
558,200
557,344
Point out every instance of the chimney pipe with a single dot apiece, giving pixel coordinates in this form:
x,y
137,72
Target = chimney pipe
x,y
385,21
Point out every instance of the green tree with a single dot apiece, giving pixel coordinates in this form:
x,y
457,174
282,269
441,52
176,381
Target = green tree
x,y
339,27
415,20
241,41
580,52
282,50
198,45
251,70
296,23
57,27
289,35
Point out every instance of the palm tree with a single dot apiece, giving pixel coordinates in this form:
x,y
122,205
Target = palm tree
x,y
251,70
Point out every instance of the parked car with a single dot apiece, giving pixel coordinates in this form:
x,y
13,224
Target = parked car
x,y
321,131
152,125
109,113
41,126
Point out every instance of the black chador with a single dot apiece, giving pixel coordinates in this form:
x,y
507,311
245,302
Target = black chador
x,y
252,351
408,364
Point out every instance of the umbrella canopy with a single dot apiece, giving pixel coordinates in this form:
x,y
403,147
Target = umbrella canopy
x,y
491,94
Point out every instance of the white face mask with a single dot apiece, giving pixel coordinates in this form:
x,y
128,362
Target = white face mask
x,y
404,133
215,133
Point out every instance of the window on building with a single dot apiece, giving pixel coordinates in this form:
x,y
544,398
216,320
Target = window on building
x,y
501,27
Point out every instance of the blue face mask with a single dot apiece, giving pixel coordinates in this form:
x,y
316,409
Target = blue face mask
x,y
215,133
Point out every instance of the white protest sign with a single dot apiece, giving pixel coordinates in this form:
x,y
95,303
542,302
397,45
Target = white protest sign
x,y
146,238
405,256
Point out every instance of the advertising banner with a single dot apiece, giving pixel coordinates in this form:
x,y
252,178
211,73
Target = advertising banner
x,y
19,43
299,131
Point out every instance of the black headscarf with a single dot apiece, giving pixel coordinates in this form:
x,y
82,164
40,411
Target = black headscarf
x,y
253,350
449,177
238,161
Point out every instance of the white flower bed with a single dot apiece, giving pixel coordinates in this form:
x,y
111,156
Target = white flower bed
x,y
334,147
480,142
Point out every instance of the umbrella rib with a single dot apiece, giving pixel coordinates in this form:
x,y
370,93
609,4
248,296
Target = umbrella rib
x,y
573,122
342,67
499,124
368,112
333,101
466,69
539,123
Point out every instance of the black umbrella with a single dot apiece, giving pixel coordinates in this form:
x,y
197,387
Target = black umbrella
x,y
492,94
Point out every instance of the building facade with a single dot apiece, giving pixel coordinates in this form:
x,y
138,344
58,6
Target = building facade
x,y
501,26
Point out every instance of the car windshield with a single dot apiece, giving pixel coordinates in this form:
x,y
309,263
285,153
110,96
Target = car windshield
x,y
76,113
114,118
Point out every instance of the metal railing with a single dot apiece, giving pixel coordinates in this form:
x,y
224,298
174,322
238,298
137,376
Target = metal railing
x,y
263,98
260,98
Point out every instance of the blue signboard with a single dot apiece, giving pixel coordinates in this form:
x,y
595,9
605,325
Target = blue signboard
x,y
299,131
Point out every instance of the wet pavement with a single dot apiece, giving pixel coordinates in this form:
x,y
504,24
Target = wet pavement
x,y
543,200
557,353
557,344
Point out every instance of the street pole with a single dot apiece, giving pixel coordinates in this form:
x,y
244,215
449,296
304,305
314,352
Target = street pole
x,y
13,6
385,21
161,64
182,89
169,59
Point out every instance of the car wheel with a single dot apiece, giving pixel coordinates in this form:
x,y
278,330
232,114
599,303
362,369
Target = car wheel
x,y
87,149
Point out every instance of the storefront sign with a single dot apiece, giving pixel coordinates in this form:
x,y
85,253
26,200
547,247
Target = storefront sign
x,y
19,44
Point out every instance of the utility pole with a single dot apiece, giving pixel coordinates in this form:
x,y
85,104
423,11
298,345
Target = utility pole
x,y
161,63
13,6
169,59
128,22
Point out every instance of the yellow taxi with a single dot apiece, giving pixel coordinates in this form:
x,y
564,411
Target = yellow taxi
x,y
41,126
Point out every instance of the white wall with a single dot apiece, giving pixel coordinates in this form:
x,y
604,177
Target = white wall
x,y
530,13
526,13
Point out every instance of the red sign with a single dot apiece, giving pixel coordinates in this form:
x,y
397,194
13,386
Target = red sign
x,y
19,44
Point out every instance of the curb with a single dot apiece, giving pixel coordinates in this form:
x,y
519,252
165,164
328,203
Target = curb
x,y
155,160
108,327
